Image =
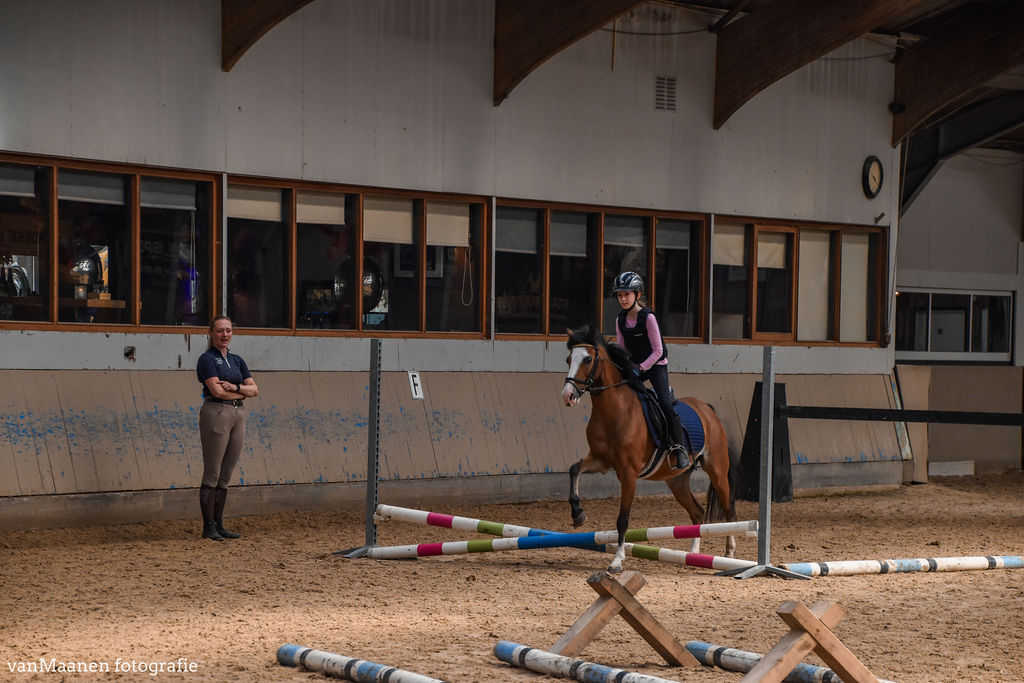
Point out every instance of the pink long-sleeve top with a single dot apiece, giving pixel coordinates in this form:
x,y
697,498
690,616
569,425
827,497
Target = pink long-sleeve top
x,y
653,334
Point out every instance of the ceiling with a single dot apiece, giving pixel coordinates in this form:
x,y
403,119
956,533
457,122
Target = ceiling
x,y
959,64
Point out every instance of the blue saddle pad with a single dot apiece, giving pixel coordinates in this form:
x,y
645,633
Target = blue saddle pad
x,y
693,428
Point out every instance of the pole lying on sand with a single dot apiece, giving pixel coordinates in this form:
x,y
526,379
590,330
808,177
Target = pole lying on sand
x,y
512,531
546,662
662,533
905,566
588,541
731,659
348,668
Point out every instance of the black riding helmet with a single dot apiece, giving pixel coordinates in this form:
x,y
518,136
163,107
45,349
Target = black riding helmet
x,y
628,282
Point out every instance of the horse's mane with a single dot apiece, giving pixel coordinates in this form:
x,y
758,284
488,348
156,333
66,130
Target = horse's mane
x,y
618,355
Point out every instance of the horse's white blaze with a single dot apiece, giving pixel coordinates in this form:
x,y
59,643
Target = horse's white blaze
x,y
576,357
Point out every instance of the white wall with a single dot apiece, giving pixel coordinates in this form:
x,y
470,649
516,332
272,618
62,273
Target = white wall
x,y
963,232
398,93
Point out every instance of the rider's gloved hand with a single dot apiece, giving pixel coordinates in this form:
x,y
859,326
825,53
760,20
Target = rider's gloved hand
x,y
637,371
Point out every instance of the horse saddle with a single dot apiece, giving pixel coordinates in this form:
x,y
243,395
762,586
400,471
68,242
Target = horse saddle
x,y
657,425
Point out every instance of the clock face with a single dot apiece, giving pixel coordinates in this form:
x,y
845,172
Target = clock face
x,y
871,178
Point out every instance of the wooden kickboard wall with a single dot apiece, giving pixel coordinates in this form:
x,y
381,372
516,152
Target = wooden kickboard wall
x,y
96,431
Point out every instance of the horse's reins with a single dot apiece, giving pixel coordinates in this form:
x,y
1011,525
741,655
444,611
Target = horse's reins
x,y
588,383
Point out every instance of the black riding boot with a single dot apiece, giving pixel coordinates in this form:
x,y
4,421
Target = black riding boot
x,y
218,514
678,457
207,499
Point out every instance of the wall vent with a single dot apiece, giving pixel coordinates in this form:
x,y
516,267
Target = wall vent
x,y
664,93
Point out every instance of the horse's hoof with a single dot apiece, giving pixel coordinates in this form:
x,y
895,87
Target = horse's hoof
x,y
578,520
612,569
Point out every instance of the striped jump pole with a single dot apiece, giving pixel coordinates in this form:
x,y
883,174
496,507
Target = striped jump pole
x,y
731,659
347,668
661,533
545,662
716,562
587,540
906,566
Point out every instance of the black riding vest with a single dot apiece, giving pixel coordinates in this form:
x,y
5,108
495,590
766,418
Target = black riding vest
x,y
635,338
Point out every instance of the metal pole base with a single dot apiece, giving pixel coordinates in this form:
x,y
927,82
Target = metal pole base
x,y
352,553
760,570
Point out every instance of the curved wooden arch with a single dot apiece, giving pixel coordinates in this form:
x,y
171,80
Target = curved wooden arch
x,y
969,50
783,35
529,32
243,22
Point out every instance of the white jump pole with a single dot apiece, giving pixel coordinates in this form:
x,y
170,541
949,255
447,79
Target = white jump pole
x,y
545,662
906,566
348,668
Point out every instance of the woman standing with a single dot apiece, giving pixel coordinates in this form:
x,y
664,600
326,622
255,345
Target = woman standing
x,y
637,329
226,384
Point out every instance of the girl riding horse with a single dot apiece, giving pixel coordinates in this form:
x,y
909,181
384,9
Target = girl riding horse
x,y
619,439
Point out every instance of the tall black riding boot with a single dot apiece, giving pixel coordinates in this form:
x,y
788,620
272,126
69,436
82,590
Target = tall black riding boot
x,y
677,451
218,514
206,503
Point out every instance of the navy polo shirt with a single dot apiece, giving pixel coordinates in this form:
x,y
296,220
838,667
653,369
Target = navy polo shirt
x,y
212,364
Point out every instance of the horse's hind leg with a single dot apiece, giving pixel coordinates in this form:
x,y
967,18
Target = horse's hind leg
x,y
680,488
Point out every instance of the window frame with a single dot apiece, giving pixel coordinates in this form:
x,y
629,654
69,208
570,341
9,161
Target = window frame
x,y
483,224
876,324
970,357
133,174
651,217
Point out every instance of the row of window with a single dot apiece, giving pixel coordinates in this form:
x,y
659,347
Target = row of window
x,y
100,244
953,325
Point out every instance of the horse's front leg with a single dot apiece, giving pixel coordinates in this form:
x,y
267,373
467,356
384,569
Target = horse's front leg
x,y
587,465
579,515
622,522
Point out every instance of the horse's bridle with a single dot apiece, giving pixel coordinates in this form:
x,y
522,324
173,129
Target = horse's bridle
x,y
587,384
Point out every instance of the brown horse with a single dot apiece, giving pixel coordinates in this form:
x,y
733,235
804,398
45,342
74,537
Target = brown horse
x,y
619,439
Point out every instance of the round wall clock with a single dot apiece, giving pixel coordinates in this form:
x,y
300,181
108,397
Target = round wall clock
x,y
871,177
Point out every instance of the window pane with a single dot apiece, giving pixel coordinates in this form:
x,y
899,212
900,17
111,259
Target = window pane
x,y
95,247
814,300
391,264
453,266
990,324
573,271
677,272
325,264
518,268
24,242
911,321
625,248
858,287
730,309
950,321
175,251
256,257
774,282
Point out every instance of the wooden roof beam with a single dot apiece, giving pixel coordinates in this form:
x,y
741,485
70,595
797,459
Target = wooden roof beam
x,y
243,22
966,53
529,32
779,36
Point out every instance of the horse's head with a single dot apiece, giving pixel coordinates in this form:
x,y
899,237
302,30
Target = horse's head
x,y
584,360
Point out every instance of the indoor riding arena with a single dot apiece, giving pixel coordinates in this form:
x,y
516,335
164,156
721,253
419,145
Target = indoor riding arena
x,y
156,592
322,322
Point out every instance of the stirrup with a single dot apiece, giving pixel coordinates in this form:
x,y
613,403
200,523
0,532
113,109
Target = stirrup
x,y
678,458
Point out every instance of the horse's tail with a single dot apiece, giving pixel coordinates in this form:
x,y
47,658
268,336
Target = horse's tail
x,y
715,511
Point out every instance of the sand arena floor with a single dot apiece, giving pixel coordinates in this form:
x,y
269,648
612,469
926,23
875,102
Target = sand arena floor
x,y
156,592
